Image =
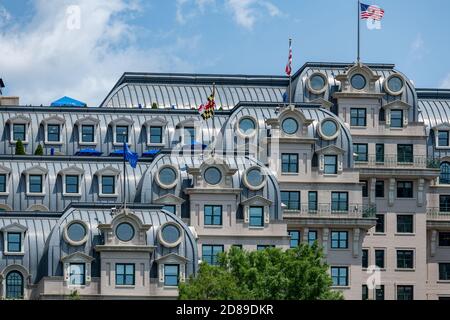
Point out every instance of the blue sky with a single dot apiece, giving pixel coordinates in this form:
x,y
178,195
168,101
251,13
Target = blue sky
x,y
42,59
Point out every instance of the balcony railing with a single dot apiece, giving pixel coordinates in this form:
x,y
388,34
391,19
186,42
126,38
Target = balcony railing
x,y
394,161
328,210
438,213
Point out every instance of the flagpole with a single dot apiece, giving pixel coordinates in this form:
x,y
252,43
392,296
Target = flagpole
x,y
290,76
213,121
359,36
124,179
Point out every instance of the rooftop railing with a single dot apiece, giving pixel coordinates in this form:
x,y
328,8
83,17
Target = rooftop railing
x,y
396,161
438,213
331,210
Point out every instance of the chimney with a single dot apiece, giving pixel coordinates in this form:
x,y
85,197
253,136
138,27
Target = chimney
x,y
7,101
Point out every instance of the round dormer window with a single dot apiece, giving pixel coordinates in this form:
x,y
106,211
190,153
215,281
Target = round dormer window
x,y
212,175
247,126
167,177
76,233
358,81
289,126
329,129
394,85
125,232
170,234
317,83
254,178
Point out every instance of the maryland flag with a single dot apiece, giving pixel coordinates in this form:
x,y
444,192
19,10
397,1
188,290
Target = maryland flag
x,y
207,110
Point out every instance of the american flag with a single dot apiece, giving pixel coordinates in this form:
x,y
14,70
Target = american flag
x,y
288,68
371,12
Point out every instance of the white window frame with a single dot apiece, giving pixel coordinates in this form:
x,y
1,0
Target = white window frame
x,y
7,172
171,258
36,170
121,122
71,171
108,171
442,127
55,120
397,105
90,121
14,228
77,257
256,201
156,122
20,119
333,151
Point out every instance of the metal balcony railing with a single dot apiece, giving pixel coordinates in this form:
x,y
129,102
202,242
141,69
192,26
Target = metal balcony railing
x,y
331,210
438,213
395,161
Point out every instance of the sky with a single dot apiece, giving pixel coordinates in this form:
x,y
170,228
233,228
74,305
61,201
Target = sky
x,y
80,48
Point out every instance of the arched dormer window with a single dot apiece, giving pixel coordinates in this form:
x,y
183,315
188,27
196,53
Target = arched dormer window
x,y
71,181
108,181
156,131
444,177
37,207
35,178
189,131
16,280
53,130
122,131
4,180
13,239
87,131
19,129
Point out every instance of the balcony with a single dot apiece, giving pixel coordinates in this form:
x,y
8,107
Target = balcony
x,y
438,213
393,161
327,210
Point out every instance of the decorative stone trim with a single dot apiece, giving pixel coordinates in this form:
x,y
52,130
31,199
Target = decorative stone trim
x,y
70,241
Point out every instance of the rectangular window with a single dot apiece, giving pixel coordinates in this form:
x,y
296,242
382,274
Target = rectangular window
x,y
189,135
379,150
339,276
444,239
171,274
379,292
330,164
108,184
289,162
405,293
379,189
404,189
365,258
379,258
77,274
405,153
312,201
312,237
405,223
264,246
125,274
156,134
291,199
238,246
360,150
256,216
397,118
405,259
2,182
442,138
358,117
14,241
295,238
53,132
339,201
365,191
122,134
35,182
210,253
87,133
379,228
444,271
339,239
213,215
19,132
171,208
365,292
444,203
72,184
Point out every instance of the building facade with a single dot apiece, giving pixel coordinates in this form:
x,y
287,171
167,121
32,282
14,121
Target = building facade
x,y
358,161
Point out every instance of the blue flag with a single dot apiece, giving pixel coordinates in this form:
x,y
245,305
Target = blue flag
x,y
131,157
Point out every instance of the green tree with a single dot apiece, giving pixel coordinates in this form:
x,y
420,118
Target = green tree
x,y
154,105
20,150
270,274
39,151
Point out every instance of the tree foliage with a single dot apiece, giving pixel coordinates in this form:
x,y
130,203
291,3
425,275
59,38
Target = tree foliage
x,y
39,151
270,274
20,150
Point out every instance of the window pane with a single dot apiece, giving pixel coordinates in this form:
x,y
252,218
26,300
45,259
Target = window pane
x,y
122,134
380,223
312,201
295,238
87,133
405,153
396,118
2,182
361,152
53,132
213,215
171,273
443,138
35,183
330,164
405,223
108,184
77,273
155,134
14,242
72,184
379,153
256,216
19,132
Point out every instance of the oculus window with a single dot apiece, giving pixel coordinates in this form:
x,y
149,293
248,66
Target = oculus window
x,y
76,232
125,232
212,176
171,234
317,82
289,126
247,126
395,84
358,81
329,128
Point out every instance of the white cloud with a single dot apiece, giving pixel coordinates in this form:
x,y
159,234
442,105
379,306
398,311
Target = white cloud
x,y
247,12
418,48
44,60
445,84
5,16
